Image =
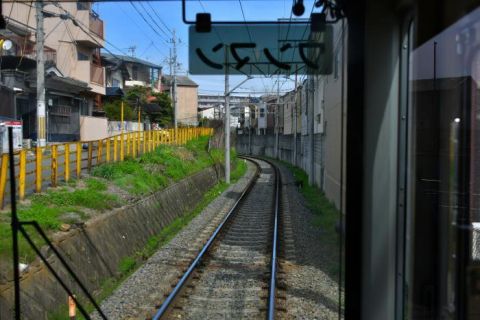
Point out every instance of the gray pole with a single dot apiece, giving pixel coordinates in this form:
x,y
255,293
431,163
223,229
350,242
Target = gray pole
x,y
310,111
295,123
277,128
175,107
227,120
41,127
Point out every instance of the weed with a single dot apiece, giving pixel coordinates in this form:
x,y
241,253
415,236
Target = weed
x,y
127,264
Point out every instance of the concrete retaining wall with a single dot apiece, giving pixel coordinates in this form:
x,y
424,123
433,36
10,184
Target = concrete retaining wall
x,y
96,250
322,169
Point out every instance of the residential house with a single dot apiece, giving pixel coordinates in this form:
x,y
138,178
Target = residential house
x,y
75,79
187,99
212,107
123,72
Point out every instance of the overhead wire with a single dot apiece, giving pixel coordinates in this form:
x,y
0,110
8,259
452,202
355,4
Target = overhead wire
x,y
251,40
148,23
25,39
142,30
154,21
159,18
81,26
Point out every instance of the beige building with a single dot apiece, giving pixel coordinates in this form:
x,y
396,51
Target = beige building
x,y
74,40
187,99
328,102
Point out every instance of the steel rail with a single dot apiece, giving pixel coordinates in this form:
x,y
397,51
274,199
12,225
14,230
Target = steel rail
x,y
273,260
168,301
273,270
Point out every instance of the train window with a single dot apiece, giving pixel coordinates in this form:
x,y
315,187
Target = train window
x,y
444,252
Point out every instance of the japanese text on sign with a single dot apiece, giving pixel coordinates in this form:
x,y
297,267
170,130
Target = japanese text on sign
x,y
260,49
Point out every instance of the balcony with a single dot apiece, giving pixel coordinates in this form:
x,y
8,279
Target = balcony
x,y
97,74
96,24
49,54
92,33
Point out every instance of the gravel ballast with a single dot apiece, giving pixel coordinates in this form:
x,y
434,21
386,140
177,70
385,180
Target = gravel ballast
x,y
308,289
311,293
140,294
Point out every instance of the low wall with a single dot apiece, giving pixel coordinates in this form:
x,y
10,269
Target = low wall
x,y
93,128
96,250
115,127
303,153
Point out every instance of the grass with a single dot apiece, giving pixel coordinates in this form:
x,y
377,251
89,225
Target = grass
x,y
129,264
155,170
72,201
326,217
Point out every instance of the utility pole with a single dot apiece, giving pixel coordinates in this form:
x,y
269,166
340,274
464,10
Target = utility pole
x,y
174,62
41,127
227,119
277,118
295,122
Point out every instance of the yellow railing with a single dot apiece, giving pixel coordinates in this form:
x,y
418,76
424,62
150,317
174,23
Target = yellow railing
x,y
43,167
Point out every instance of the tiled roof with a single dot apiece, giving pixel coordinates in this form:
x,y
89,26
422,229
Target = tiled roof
x,y
181,81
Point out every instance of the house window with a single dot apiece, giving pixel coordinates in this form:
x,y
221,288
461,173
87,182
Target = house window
x,y
60,113
134,72
82,56
115,83
262,112
83,5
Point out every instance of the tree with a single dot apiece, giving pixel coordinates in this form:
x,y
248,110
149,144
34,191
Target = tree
x,y
165,116
137,94
113,111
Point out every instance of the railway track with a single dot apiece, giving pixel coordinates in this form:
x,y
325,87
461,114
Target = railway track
x,y
234,275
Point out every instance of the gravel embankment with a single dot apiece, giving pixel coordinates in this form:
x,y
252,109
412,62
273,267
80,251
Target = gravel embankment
x,y
311,291
144,290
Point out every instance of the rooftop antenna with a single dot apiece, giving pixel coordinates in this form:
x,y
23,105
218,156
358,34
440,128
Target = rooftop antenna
x,y
131,50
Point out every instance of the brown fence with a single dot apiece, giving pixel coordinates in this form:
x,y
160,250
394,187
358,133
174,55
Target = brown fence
x,y
43,167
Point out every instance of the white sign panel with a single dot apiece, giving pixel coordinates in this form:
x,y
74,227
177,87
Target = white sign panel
x,y
260,50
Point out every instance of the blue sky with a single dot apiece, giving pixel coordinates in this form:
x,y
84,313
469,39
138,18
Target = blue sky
x,y
125,27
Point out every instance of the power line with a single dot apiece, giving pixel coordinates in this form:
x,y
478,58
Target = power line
x,y
154,21
148,23
142,30
81,26
158,16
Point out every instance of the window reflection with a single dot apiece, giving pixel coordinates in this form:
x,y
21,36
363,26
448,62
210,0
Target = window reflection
x,y
444,88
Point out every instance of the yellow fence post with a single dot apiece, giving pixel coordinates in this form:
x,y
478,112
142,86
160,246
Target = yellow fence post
x,y
23,169
138,142
53,173
99,151
128,144
79,159
121,147
67,162
115,148
134,144
38,169
90,155
150,141
107,149
144,141
3,177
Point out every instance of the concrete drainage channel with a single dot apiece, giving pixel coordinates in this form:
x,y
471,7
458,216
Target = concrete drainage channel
x,y
234,275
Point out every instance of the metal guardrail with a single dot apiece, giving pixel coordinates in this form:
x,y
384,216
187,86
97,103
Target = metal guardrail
x,y
42,167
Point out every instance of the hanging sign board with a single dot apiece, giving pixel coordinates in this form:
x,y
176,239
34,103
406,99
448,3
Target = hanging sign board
x,y
261,50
